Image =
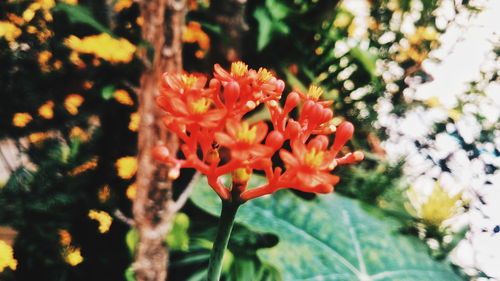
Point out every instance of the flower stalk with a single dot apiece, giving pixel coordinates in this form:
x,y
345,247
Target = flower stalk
x,y
226,223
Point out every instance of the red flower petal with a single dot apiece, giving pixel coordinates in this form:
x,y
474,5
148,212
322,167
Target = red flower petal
x,y
288,158
224,139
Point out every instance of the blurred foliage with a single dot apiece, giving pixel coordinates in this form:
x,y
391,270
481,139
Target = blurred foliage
x,y
68,100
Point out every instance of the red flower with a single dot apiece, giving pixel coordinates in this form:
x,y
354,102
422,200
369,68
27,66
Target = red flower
x,y
244,140
183,97
208,121
308,166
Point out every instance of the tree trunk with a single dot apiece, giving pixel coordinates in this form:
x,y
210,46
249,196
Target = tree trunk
x,y
163,21
230,15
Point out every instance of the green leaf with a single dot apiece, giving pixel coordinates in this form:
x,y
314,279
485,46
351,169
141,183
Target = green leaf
x,y
268,26
130,274
107,92
178,238
265,28
80,14
331,238
131,239
367,59
277,9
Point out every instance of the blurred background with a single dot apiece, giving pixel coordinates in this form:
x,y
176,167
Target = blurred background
x,y
419,79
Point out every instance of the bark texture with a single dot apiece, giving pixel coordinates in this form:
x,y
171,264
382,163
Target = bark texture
x,y
230,15
153,210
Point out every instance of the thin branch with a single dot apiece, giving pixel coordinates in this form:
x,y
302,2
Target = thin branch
x,y
121,216
181,201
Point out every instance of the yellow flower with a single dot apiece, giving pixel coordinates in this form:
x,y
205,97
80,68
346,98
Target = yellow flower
x,y
9,31
134,122
131,191
194,34
29,13
432,102
103,46
46,110
37,137
88,85
44,5
21,119
58,64
73,256
123,97
43,59
31,29
103,218
122,4
7,257
126,166
139,21
65,237
438,207
72,102
342,20
75,59
77,132
427,33
454,114
84,167
104,193
15,19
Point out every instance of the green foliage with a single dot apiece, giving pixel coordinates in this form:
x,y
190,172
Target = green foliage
x,y
107,92
177,239
270,22
81,14
331,237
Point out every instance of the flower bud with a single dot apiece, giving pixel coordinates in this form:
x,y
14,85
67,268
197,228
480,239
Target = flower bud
x,y
174,173
231,93
212,156
306,108
324,188
214,84
343,134
292,101
319,143
161,153
327,115
292,129
351,158
280,86
274,140
358,155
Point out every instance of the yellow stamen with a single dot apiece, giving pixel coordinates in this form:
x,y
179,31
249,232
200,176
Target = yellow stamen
x,y
313,158
239,68
200,106
241,175
189,80
264,75
245,133
314,92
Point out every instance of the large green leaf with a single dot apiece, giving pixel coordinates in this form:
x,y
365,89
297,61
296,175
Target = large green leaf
x,y
81,14
331,238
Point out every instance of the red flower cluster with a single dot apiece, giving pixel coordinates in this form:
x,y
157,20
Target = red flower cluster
x,y
208,120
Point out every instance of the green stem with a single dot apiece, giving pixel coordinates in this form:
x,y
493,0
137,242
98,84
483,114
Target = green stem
x,y
226,222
